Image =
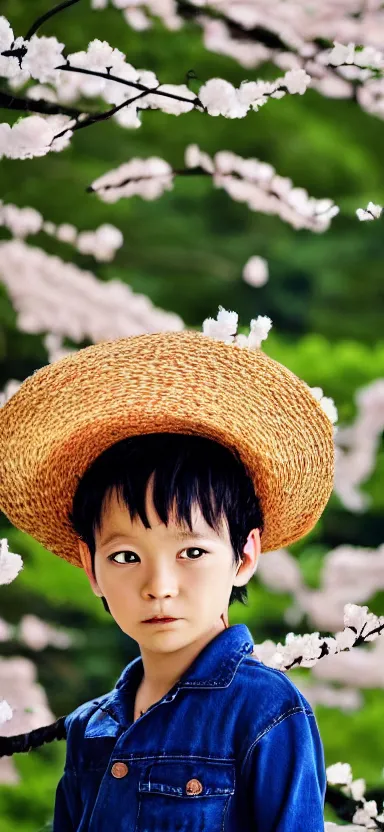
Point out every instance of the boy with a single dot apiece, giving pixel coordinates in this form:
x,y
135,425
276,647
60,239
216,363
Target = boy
x,y
141,451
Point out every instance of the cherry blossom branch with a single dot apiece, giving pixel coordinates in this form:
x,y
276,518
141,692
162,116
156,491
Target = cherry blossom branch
x,y
76,304
306,650
41,59
23,222
277,48
146,90
350,803
347,809
245,180
258,34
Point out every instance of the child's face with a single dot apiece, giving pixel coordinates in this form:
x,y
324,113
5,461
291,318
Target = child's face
x,y
156,572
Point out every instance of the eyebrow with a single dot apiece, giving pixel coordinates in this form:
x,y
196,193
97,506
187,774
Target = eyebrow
x,y
180,535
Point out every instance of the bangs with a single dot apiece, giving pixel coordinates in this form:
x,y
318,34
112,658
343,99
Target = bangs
x,y
188,471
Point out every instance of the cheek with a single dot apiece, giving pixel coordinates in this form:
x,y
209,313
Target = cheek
x,y
114,581
209,581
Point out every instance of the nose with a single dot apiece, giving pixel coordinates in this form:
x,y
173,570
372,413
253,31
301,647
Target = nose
x,y
160,583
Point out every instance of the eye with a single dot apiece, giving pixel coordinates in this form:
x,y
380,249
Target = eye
x,y
112,557
194,549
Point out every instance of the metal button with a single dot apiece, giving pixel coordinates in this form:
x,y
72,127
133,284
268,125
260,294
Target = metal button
x,y
119,770
194,786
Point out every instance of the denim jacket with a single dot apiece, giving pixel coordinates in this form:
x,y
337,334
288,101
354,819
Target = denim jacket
x,y
232,747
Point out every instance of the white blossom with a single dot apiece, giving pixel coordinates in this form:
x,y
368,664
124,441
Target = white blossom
x,y
194,158
5,712
223,328
148,178
327,404
371,212
260,327
37,634
335,827
221,99
137,19
341,54
6,34
357,789
49,228
11,387
43,56
241,340
102,243
369,56
172,105
128,117
9,66
339,774
255,271
20,221
31,136
66,233
5,137
361,619
115,92
344,639
40,92
297,81
329,407
364,819
10,564
254,93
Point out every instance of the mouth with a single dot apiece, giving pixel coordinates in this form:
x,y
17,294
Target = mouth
x,y
159,620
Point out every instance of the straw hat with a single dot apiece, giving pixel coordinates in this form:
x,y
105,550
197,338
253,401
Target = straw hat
x,y
68,412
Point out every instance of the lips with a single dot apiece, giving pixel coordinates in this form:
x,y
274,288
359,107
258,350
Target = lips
x,y
166,618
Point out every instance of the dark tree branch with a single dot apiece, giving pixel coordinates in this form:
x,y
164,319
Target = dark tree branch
x,y
345,807
108,77
258,34
187,172
49,108
93,119
39,22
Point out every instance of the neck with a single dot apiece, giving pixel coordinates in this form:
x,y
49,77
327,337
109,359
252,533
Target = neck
x,y
162,670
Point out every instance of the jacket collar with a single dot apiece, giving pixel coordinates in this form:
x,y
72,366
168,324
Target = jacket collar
x,y
214,667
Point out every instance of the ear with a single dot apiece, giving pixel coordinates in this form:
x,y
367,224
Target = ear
x,y
86,560
250,557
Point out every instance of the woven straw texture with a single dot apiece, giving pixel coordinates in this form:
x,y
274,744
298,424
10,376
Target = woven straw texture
x,y
67,413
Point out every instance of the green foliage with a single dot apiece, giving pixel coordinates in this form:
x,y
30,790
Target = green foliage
x,y
28,804
65,586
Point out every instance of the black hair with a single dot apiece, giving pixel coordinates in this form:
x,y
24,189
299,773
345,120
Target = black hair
x,y
188,470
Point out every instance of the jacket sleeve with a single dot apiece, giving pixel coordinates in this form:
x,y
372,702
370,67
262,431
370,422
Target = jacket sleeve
x,y
67,810
285,775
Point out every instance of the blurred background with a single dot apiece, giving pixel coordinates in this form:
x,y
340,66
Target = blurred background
x,y
186,252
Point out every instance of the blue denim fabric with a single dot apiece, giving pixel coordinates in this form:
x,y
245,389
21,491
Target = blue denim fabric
x,y
232,747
